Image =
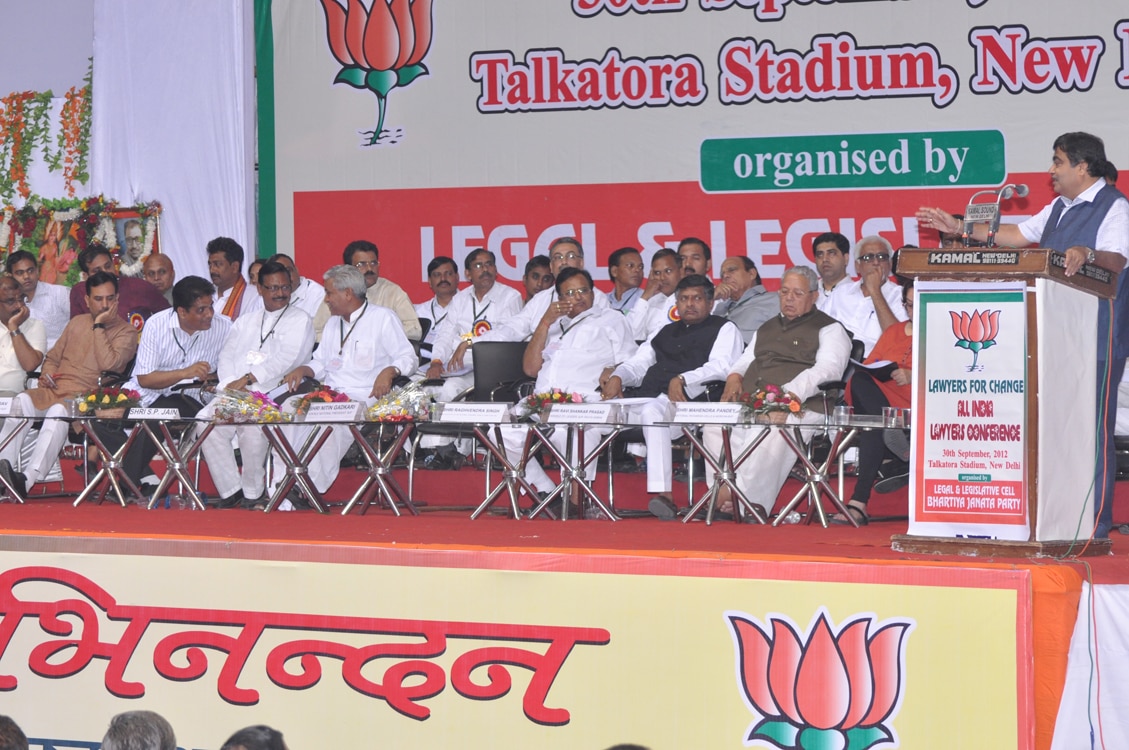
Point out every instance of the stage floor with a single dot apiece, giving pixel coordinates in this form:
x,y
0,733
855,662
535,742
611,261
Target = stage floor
x,y
445,523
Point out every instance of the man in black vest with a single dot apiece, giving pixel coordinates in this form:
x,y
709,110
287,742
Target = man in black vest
x,y
796,350
675,365
1088,223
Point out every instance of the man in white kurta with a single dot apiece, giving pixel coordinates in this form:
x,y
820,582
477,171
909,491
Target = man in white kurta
x,y
50,304
443,280
657,307
873,303
261,348
363,349
571,346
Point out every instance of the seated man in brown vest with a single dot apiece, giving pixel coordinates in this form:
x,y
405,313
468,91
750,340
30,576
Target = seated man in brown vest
x,y
796,351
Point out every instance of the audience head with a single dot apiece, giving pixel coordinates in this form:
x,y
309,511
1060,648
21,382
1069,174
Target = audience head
x,y
11,736
739,272
139,730
253,269
537,276
565,252
831,252
666,270
192,301
158,271
1080,149
259,737
225,262
274,286
906,284
481,269
625,266
344,289
100,278
25,268
288,263
11,298
799,288
134,236
694,297
442,277
874,250
96,258
695,256
365,257
574,286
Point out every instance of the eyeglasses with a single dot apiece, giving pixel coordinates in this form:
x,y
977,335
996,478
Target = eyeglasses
x,y
366,264
907,303
557,257
278,288
482,264
879,257
574,292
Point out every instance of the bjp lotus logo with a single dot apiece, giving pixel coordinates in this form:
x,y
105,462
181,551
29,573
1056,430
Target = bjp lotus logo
x,y
379,49
826,690
975,332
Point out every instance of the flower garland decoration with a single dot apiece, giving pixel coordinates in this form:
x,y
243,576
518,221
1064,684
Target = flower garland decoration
x,y
235,407
769,399
25,118
108,398
402,404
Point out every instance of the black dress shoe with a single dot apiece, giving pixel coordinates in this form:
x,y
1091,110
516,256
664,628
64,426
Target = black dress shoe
x,y
14,478
230,501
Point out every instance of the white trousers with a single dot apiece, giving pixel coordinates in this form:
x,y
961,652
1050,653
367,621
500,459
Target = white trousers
x,y
219,452
52,436
658,440
513,440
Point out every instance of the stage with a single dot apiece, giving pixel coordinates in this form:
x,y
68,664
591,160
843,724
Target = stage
x,y
665,626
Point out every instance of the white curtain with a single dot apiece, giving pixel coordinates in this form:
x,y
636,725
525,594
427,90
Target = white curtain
x,y
173,119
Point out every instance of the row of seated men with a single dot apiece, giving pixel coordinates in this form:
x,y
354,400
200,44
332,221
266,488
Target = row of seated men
x,y
668,338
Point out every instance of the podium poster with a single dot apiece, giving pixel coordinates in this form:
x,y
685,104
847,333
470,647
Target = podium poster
x,y
970,412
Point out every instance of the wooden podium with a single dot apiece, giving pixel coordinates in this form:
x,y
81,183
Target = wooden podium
x,y
1057,409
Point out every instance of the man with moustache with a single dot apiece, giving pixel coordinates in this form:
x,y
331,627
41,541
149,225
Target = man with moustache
x,y
225,266
262,347
91,343
872,304
21,351
133,248
365,257
537,277
742,298
47,303
137,300
307,294
443,280
1089,224
625,266
657,307
695,256
674,366
158,270
831,251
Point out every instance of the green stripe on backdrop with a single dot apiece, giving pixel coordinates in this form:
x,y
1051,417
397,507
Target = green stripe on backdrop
x,y
264,99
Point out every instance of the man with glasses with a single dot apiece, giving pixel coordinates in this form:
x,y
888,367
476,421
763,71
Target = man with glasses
x,y
872,304
657,307
306,294
365,257
92,342
625,266
48,303
263,346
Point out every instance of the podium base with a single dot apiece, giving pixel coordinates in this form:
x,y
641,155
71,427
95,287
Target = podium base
x,y
932,545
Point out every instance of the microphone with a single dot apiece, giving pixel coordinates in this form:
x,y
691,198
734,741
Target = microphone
x,y
989,212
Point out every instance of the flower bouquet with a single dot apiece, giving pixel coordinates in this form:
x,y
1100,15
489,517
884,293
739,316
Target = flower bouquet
x,y
321,395
236,407
540,403
403,404
771,398
108,403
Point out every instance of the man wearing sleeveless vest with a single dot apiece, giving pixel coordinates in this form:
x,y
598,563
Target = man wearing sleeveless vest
x,y
1088,223
796,350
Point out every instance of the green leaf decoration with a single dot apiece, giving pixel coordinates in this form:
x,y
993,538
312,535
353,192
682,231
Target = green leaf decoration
x,y
860,738
989,343
404,76
975,346
962,344
353,76
380,81
821,739
780,733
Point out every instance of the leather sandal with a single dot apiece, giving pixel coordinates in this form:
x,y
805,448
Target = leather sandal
x,y
857,509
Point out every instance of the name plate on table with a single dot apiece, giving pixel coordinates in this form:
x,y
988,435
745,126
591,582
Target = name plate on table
x,y
345,411
694,412
139,413
473,413
6,406
580,413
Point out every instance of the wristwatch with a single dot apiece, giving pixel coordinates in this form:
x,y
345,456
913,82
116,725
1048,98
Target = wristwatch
x,y
1091,255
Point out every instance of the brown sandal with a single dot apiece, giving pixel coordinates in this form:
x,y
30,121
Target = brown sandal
x,y
857,509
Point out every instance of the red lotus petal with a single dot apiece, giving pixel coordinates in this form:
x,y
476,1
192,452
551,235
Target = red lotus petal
x,y
421,22
783,663
335,31
993,325
822,689
956,323
382,41
754,652
402,13
355,32
852,644
885,660
976,328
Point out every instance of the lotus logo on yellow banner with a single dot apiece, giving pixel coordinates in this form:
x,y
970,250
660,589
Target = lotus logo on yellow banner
x,y
379,49
824,690
975,332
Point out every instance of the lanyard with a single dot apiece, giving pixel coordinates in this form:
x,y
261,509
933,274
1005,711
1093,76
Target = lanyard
x,y
574,325
191,343
264,336
440,320
477,313
345,336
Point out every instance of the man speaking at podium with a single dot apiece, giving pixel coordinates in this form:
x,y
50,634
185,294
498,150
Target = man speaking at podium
x,y
1089,223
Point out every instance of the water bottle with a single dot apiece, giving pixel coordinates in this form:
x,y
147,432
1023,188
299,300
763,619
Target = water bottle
x,y
793,518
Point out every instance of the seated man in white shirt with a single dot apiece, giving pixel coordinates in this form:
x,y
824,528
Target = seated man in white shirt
x,y
537,276
262,347
573,343
625,267
872,304
365,257
363,349
675,366
696,257
307,294
832,253
50,304
443,280
656,308
797,350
